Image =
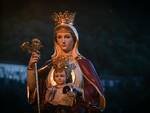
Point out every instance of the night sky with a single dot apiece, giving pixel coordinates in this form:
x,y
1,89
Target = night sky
x,y
114,34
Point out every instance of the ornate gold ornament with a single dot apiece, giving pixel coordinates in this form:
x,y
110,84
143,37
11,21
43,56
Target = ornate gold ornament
x,y
62,63
63,18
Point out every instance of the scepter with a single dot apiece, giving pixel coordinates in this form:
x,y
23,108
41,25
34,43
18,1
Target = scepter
x,y
34,47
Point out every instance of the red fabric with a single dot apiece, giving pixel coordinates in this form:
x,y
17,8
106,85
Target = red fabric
x,y
92,83
89,71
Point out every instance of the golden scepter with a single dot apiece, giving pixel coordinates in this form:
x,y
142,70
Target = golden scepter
x,y
34,47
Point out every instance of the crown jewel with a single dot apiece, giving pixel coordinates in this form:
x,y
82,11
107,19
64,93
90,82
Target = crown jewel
x,y
63,17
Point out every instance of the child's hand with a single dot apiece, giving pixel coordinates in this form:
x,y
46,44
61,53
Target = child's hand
x,y
71,94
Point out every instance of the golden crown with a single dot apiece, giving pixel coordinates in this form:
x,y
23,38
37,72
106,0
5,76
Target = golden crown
x,y
65,17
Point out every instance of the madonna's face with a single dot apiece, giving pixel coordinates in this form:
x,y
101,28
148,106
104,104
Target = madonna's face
x,y
64,39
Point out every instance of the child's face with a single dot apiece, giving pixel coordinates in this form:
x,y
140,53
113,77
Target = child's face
x,y
60,77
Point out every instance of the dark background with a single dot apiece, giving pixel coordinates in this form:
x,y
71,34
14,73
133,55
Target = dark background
x,y
114,35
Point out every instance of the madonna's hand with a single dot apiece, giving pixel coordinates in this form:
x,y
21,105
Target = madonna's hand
x,y
33,59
